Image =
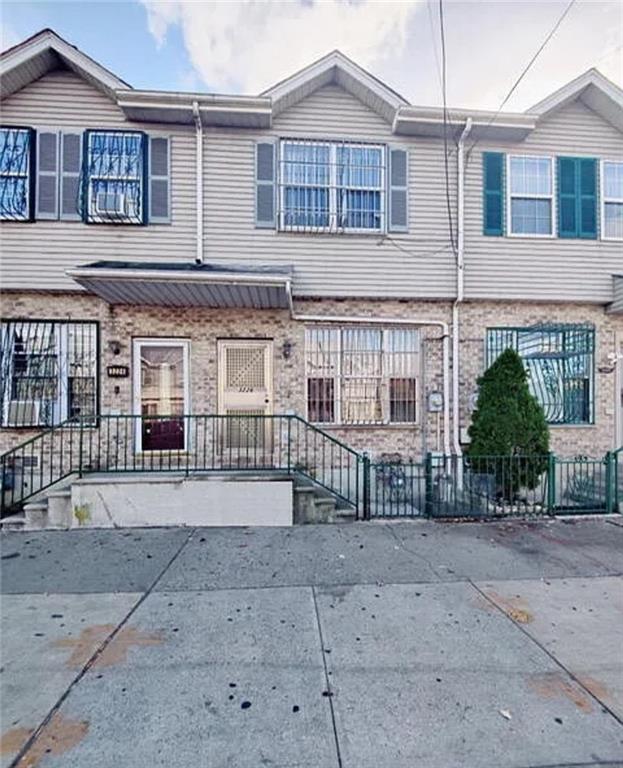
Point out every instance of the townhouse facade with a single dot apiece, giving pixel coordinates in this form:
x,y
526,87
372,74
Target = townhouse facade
x,y
324,249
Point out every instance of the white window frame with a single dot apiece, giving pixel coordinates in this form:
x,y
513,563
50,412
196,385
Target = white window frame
x,y
333,227
338,378
551,197
152,341
603,201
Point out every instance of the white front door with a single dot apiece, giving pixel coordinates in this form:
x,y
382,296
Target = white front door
x,y
161,391
245,389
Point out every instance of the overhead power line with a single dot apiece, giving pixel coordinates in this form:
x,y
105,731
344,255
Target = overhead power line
x,y
445,125
515,85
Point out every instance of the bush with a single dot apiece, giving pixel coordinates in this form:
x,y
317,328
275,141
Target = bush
x,y
509,434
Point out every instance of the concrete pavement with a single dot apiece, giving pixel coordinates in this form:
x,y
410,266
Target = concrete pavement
x,y
392,645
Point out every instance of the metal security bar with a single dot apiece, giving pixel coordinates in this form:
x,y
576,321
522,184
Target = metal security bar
x,y
48,372
331,186
362,375
214,443
560,363
114,183
16,149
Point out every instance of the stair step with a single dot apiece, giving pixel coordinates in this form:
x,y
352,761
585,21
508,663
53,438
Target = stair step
x,y
13,522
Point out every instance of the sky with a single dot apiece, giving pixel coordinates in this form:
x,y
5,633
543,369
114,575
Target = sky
x,y
245,46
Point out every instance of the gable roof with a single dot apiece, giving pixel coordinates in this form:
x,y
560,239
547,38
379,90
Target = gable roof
x,y
45,52
336,68
594,90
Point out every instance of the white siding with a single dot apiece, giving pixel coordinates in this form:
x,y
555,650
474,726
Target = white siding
x,y
535,268
617,304
36,255
331,265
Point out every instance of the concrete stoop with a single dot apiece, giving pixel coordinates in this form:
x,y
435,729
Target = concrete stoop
x,y
117,501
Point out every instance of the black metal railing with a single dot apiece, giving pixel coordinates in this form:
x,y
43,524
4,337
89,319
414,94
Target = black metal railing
x,y
439,486
185,443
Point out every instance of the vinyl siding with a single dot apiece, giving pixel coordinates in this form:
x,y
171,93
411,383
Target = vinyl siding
x,y
404,265
543,268
617,304
36,255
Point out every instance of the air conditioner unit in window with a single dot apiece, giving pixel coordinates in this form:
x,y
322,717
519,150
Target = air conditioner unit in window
x,y
24,413
112,205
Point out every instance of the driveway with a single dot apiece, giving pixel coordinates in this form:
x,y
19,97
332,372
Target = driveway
x,y
370,645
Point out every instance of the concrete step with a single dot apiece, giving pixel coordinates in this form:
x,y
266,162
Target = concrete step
x,y
15,522
59,508
36,514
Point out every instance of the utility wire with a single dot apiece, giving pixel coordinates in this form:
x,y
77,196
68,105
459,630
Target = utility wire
x,y
445,125
408,251
525,70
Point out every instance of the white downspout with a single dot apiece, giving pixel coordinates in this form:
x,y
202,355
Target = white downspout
x,y
199,181
460,283
401,321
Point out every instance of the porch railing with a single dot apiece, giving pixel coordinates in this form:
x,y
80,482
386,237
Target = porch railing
x,y
438,486
186,444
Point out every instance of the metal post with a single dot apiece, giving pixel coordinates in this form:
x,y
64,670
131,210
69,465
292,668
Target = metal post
x,y
80,447
289,418
609,460
551,483
366,486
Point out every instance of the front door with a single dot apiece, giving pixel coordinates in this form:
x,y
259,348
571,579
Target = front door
x,y
161,393
245,394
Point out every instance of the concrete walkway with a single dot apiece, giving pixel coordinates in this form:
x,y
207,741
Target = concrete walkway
x,y
371,645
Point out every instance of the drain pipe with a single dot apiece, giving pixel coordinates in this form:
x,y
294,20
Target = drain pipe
x,y
401,321
460,284
199,181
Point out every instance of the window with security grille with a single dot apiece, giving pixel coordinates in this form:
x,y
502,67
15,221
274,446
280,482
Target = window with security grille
x,y
362,375
531,188
331,186
15,173
560,363
115,183
48,372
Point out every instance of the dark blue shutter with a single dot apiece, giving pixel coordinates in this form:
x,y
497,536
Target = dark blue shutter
x,y
398,218
47,175
159,180
577,197
493,193
71,163
265,174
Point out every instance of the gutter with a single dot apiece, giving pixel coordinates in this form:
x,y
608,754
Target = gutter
x,y
460,289
199,181
401,321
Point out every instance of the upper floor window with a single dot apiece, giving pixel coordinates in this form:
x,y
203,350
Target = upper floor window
x,y
362,375
48,372
559,361
15,169
612,200
331,186
530,195
115,169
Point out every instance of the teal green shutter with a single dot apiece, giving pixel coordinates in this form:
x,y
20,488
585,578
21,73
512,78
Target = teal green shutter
x,y
587,175
493,193
577,197
567,197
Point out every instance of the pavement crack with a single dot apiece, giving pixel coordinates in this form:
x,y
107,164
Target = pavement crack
x,y
559,664
328,690
415,554
31,741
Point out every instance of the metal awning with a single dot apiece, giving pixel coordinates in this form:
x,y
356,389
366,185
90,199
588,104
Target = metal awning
x,y
186,285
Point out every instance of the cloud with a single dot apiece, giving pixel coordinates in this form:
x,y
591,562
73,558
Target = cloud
x,y
248,45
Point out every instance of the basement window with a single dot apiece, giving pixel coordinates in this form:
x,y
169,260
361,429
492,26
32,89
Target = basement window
x,y
362,375
48,372
560,363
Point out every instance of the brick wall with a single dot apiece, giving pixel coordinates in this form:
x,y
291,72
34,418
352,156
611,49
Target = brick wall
x,y
203,327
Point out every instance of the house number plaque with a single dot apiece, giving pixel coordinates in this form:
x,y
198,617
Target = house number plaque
x,y
117,371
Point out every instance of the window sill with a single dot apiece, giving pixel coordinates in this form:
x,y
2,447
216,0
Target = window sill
x,y
392,425
579,425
